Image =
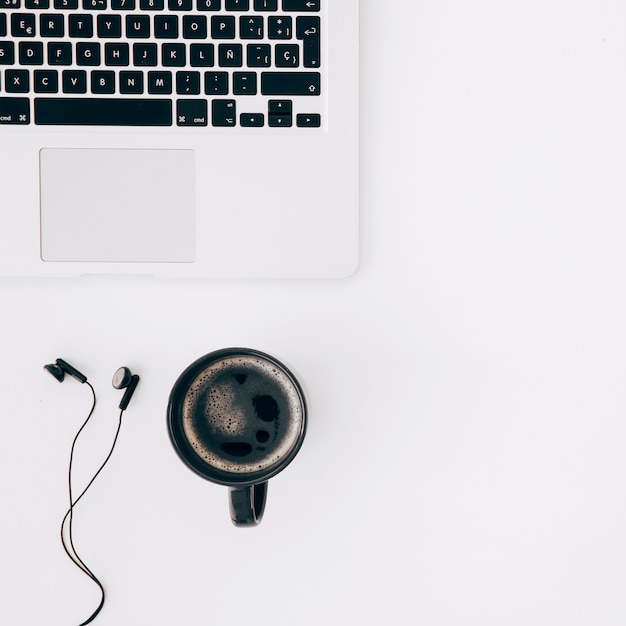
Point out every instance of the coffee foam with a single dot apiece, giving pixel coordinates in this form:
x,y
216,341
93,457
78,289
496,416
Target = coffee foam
x,y
242,414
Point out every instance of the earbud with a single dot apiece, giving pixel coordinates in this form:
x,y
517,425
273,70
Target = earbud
x,y
124,379
59,368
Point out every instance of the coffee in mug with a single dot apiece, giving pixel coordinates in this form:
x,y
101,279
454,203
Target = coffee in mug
x,y
237,417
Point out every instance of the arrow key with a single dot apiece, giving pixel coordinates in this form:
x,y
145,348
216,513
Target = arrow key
x,y
279,120
309,120
252,120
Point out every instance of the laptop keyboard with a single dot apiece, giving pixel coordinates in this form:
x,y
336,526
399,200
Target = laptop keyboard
x,y
177,63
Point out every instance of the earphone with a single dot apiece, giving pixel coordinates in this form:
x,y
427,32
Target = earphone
x,y
60,367
122,379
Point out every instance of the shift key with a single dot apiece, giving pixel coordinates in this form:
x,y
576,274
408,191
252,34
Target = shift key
x,y
290,83
14,111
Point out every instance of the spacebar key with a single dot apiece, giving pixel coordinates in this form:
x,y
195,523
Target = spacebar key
x,y
103,112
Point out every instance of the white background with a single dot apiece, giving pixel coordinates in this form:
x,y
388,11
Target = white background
x,y
464,463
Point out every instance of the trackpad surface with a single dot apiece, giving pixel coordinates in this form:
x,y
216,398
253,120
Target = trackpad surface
x,y
117,205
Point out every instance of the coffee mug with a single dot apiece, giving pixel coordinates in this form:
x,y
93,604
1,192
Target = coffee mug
x,y
237,417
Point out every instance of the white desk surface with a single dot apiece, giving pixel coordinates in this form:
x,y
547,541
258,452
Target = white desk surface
x,y
465,459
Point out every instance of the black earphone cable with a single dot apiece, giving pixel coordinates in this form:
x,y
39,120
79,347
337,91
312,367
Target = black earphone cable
x,y
73,554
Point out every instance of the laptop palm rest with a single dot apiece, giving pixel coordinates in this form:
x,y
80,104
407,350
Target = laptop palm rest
x,y
117,205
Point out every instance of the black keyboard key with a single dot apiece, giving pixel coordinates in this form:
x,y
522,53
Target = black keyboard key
x,y
123,5
308,30
201,55
131,82
103,112
31,52
223,27
16,81
37,4
95,5
7,53
251,120
223,113
46,81
88,54
180,5
266,5
166,26
244,83
109,26
237,5
308,120
251,27
282,107
279,27
192,113
103,82
51,25
173,55
209,5
23,25
301,5
160,82
188,83
80,25
152,5
3,24
230,55
14,111
259,56
194,27
138,26
145,54
277,120
116,54
60,53
69,5
216,83
74,81
287,55
290,84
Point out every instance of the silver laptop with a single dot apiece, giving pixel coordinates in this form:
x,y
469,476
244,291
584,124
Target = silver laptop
x,y
209,138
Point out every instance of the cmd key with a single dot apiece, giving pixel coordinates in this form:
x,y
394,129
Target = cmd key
x,y
14,111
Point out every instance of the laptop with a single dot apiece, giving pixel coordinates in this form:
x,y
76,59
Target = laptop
x,y
179,138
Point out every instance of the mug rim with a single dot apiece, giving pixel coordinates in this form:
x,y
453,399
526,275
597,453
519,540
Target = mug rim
x,y
180,442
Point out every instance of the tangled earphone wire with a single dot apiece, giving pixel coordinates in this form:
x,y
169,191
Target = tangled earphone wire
x,y
122,379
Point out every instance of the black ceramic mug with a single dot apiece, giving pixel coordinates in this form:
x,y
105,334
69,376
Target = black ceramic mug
x,y
237,417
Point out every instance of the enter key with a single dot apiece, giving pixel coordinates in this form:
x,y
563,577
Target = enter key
x,y
308,30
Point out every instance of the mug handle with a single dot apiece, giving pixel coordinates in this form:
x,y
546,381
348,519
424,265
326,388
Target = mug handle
x,y
247,504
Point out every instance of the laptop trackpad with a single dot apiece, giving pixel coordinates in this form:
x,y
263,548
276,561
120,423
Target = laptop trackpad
x,y
117,205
